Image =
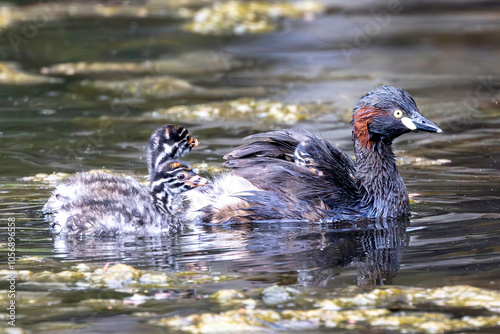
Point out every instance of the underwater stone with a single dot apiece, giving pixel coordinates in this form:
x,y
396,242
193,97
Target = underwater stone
x,y
252,17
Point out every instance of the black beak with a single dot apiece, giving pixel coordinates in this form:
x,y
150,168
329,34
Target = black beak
x,y
423,124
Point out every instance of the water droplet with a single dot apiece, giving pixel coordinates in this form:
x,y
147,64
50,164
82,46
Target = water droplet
x,y
26,98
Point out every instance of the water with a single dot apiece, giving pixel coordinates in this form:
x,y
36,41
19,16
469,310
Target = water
x,y
447,59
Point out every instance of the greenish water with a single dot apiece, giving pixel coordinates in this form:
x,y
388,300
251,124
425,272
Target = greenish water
x,y
445,54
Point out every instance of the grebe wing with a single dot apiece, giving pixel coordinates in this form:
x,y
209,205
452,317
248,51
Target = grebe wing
x,y
267,164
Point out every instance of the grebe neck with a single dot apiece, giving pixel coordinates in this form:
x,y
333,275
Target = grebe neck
x,y
383,191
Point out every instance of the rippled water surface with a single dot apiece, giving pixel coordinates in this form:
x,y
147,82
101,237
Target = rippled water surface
x,y
445,53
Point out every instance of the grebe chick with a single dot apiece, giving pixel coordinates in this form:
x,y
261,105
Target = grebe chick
x,y
308,155
370,187
99,203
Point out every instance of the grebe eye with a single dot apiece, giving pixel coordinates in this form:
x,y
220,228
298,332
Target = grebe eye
x,y
398,113
308,161
181,176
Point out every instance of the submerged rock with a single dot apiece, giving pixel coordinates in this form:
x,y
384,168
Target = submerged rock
x,y
163,87
252,17
118,275
244,110
10,73
278,295
115,277
58,10
437,310
188,63
225,296
239,321
244,320
353,311
52,179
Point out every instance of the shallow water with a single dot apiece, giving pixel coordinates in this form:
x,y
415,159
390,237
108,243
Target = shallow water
x,y
447,59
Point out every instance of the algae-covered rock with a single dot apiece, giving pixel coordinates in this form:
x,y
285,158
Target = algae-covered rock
x,y
63,276
464,296
248,17
244,109
51,179
224,296
59,10
7,15
11,74
278,295
154,279
240,321
17,274
163,87
450,296
189,63
117,276
259,320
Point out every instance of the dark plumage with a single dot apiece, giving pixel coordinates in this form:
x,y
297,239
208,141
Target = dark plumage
x,y
329,183
100,203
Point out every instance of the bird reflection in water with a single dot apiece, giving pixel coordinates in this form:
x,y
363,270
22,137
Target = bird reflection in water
x,y
306,254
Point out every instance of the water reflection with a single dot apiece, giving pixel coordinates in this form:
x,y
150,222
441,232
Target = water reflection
x,y
304,254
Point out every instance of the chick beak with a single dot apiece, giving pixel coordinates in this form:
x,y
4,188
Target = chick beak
x,y
194,142
196,181
418,122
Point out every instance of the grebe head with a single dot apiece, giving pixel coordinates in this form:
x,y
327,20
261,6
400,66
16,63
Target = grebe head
x,y
167,143
386,113
306,154
171,179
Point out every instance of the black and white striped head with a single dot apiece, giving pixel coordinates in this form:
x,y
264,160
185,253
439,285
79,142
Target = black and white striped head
x,y
306,154
167,143
171,179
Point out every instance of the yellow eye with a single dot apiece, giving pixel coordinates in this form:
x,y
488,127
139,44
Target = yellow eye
x,y
398,113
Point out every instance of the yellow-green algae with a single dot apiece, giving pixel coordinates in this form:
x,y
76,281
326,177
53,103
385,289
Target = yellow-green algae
x,y
290,308
10,73
453,296
225,296
248,17
44,12
115,276
187,63
278,295
166,87
355,310
258,320
246,109
221,18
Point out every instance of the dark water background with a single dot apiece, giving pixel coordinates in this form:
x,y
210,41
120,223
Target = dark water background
x,y
445,53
